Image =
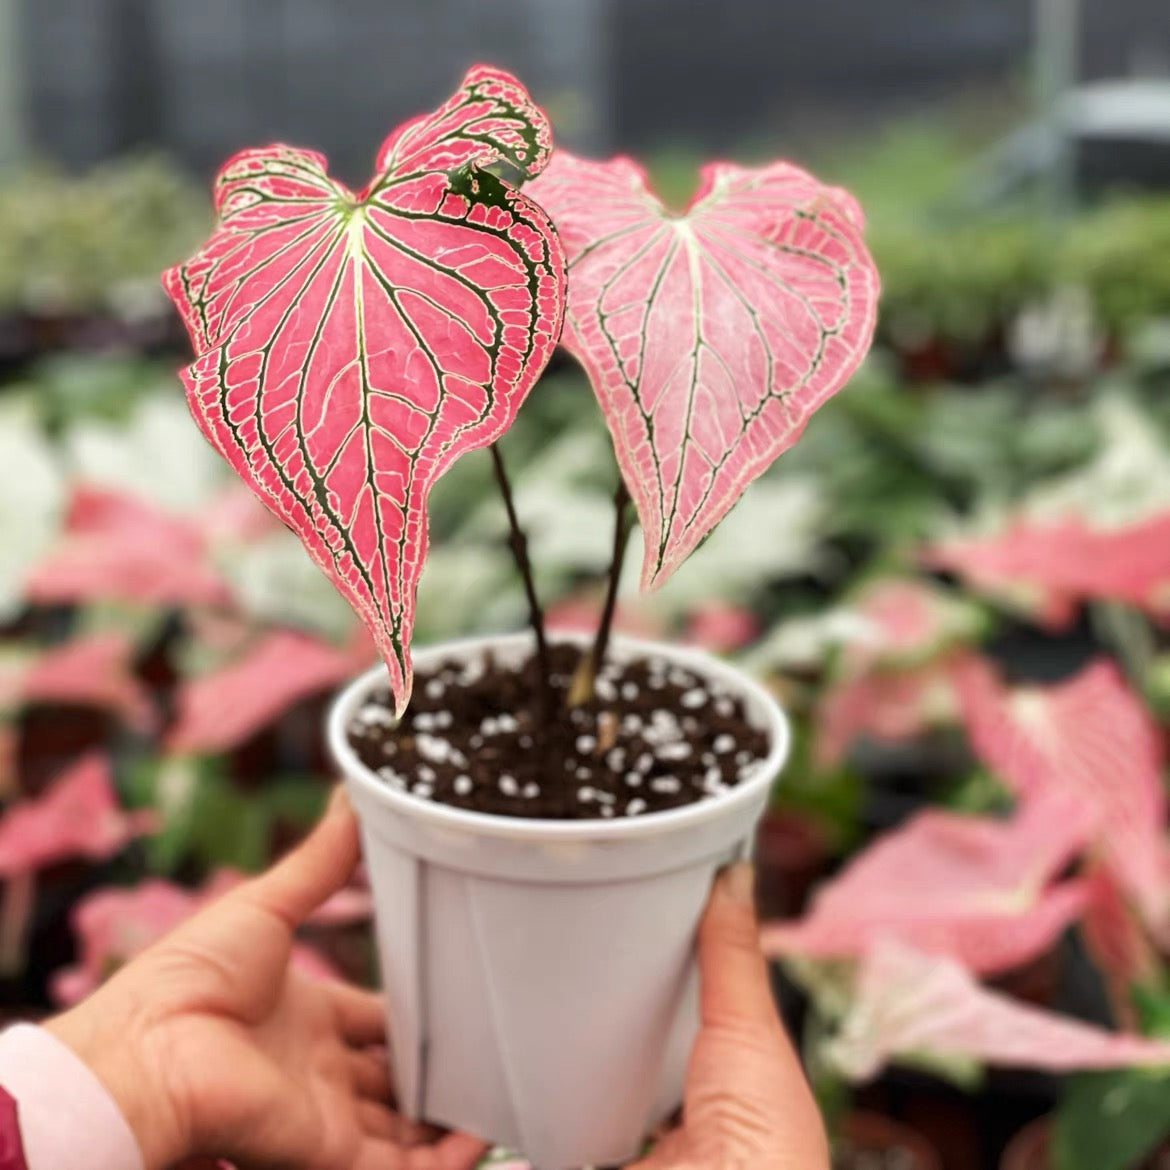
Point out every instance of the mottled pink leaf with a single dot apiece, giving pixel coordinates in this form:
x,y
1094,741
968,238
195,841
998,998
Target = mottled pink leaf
x,y
351,345
710,337
974,888
113,925
91,671
911,1005
907,621
580,613
1047,567
79,816
721,626
889,705
1089,740
116,547
220,709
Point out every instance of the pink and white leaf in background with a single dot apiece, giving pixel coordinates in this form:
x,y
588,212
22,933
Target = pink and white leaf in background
x,y
976,889
349,346
79,816
1047,567
712,336
217,711
1089,740
912,1006
889,705
114,924
721,626
118,547
93,670
907,621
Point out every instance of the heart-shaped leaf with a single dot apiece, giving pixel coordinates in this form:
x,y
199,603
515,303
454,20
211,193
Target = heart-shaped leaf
x,y
351,345
1089,739
977,889
710,337
929,1008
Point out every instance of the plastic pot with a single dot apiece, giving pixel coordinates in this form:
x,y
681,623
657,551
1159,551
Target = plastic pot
x,y
539,974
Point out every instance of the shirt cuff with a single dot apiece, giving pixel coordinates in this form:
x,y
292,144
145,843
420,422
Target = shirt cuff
x,y
67,1119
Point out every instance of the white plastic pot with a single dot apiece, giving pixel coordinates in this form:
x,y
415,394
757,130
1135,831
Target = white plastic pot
x,y
539,974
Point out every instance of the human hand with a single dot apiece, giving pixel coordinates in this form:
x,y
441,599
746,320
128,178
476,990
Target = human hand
x,y
747,1103
211,1044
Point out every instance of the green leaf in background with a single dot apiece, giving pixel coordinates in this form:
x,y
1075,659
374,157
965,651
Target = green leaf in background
x,y
1110,1121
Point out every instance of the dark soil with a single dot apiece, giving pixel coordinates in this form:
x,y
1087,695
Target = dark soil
x,y
476,736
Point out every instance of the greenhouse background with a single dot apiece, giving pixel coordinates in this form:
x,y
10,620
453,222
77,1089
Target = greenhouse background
x,y
971,541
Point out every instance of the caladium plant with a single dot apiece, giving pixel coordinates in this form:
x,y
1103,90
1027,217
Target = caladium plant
x,y
351,345
710,336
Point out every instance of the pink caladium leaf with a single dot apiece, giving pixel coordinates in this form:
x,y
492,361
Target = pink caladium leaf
x,y
93,670
217,711
974,888
114,924
1089,740
351,345
906,622
117,547
912,1006
892,706
721,626
1047,567
710,337
79,816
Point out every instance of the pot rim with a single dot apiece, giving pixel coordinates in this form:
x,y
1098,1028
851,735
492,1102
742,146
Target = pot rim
x,y
442,816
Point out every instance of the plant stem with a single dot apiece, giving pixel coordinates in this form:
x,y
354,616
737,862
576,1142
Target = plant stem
x,y
519,543
581,689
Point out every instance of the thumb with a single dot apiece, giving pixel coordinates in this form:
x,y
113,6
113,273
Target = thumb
x,y
735,993
317,868
746,1094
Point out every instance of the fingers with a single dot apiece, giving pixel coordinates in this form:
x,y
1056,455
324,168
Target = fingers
x,y
733,974
377,1121
317,868
361,1015
746,1094
370,1075
455,1151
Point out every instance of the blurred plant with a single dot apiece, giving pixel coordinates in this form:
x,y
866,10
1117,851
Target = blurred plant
x,y
79,816
96,242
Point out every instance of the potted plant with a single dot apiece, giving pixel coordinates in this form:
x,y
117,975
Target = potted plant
x,y
543,819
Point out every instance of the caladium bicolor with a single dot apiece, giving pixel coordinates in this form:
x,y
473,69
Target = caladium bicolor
x,y
928,1008
1047,566
893,706
1090,740
974,888
712,336
120,547
79,816
220,709
93,670
351,345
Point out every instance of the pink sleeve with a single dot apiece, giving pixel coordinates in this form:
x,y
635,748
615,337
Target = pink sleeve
x,y
67,1119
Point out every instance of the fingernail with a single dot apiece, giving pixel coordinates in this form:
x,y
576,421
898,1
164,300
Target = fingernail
x,y
338,802
740,883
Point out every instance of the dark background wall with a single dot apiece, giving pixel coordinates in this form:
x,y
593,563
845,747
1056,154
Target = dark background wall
x,y
201,77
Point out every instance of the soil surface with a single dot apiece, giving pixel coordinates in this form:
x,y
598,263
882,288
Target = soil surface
x,y
483,736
